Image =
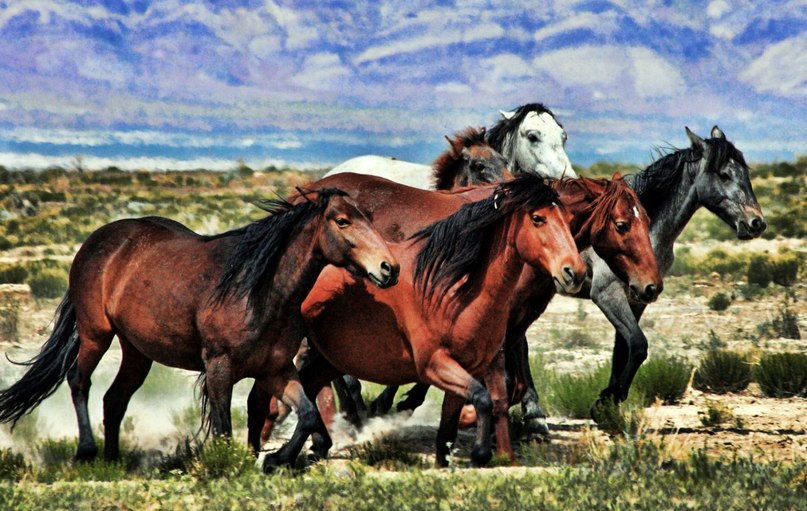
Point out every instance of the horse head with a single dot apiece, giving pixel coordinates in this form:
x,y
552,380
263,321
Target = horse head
x,y
721,178
533,140
347,239
618,229
469,161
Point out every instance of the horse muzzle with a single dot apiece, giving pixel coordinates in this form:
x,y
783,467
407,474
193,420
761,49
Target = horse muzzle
x,y
386,275
570,281
646,294
749,229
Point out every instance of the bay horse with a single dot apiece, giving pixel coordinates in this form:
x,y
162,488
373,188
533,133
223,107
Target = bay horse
x,y
445,321
469,161
530,138
227,305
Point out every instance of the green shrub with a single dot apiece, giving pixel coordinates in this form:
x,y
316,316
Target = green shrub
x,y
54,452
722,371
12,465
5,243
9,318
222,458
664,378
572,395
785,324
716,414
13,274
48,283
719,302
785,269
750,292
782,374
759,270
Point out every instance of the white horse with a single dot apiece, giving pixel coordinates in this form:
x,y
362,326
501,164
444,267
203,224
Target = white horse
x,y
529,137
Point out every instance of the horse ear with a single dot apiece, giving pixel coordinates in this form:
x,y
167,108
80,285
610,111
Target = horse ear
x,y
451,147
718,133
617,175
697,141
482,130
507,115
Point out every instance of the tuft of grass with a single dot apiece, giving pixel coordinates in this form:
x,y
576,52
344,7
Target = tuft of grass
x,y
782,374
389,452
12,465
722,371
716,414
222,458
181,460
572,395
664,378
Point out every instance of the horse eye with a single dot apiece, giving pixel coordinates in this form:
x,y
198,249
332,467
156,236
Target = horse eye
x,y
342,222
538,220
622,227
532,137
725,176
564,137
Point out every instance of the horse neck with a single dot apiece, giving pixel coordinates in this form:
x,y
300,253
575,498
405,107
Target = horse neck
x,y
671,212
297,271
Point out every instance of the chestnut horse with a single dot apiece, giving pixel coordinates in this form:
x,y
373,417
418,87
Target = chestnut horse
x,y
228,305
445,322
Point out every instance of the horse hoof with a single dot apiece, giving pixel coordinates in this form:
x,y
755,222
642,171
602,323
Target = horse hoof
x,y
480,456
271,463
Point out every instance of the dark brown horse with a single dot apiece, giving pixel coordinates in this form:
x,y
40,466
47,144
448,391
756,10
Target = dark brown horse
x,y
228,305
445,322
469,161
606,215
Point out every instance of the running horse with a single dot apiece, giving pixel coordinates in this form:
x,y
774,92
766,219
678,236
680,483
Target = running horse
x,y
227,305
530,138
445,321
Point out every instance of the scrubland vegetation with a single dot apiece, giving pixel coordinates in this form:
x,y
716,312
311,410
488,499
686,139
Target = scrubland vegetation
x,y
44,217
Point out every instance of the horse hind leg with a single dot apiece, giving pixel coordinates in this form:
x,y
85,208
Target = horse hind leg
x,y
92,346
219,390
134,368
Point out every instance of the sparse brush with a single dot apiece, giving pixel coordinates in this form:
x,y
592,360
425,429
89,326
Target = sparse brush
x,y
785,325
664,378
715,414
782,374
388,452
722,371
12,465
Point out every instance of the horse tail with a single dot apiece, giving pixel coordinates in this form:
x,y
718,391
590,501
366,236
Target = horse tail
x,y
205,424
46,370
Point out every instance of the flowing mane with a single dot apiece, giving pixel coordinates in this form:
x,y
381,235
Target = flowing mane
x,y
654,183
455,244
600,205
499,134
448,164
254,259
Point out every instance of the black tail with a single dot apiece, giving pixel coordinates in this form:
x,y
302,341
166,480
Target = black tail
x,y
47,370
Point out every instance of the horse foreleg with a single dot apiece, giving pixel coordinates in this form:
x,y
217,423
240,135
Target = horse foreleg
x,y
448,375
517,366
447,432
382,404
287,387
134,368
259,412
497,386
414,397
92,347
315,378
348,390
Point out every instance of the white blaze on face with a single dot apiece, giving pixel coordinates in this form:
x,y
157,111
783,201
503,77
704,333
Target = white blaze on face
x,y
636,212
539,147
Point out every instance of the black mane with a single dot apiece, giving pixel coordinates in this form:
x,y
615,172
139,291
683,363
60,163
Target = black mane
x,y
456,244
498,133
254,259
654,183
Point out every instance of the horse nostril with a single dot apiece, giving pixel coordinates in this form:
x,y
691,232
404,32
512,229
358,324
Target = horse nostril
x,y
758,224
569,275
386,269
650,291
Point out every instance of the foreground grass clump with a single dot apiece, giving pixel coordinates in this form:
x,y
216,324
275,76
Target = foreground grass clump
x,y
722,371
633,474
222,458
389,452
572,395
782,374
12,465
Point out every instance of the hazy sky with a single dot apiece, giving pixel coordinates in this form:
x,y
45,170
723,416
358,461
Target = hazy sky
x,y
317,82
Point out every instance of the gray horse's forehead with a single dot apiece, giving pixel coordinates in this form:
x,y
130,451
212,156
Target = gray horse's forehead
x,y
541,121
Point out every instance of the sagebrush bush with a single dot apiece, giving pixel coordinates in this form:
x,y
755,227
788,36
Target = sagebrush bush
x,y
222,458
13,274
759,270
48,283
572,395
722,371
782,374
716,414
388,452
785,269
719,302
12,465
785,324
664,378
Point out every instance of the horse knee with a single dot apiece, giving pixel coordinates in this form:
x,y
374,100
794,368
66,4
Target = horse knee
x,y
482,402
